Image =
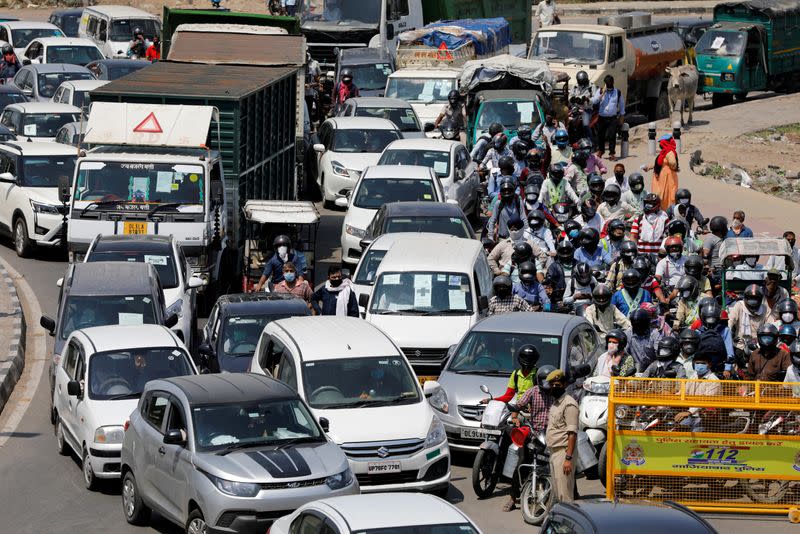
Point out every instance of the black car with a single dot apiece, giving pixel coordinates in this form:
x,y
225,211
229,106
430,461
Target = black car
x,y
235,325
433,217
67,19
10,94
111,69
599,516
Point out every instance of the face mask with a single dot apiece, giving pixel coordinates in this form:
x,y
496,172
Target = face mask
x,y
675,255
557,392
787,317
701,369
502,292
619,176
751,261
688,349
737,224
289,277
684,201
516,235
613,348
335,283
282,251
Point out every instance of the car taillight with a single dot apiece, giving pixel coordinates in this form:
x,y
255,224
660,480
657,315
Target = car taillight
x,y
126,425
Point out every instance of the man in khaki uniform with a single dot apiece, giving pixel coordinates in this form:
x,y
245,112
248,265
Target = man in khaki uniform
x,y
562,436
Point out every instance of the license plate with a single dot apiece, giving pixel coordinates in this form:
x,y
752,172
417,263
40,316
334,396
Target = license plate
x,y
473,433
423,379
709,80
379,468
134,227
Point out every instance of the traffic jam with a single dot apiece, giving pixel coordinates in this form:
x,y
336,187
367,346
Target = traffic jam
x,y
503,294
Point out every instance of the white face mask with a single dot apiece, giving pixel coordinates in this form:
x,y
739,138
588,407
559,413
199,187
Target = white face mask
x,y
516,235
283,252
613,348
684,201
751,261
787,317
737,224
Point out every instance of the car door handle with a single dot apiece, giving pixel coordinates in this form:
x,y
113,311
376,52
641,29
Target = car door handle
x,y
162,451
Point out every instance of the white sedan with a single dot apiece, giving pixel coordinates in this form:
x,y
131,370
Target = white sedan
x,y
347,145
398,513
450,161
73,51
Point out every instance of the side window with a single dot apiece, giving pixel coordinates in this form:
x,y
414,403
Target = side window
x,y
66,94
12,165
575,350
311,524
397,9
286,371
5,119
70,357
484,276
155,408
561,525
326,135
216,328
272,359
3,34
61,136
57,96
101,34
615,51
176,420
589,343
80,363
462,159
91,26
184,264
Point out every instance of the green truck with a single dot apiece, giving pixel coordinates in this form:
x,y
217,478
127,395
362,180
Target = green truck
x,y
752,46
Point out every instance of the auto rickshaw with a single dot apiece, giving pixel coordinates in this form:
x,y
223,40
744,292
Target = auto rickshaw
x,y
735,278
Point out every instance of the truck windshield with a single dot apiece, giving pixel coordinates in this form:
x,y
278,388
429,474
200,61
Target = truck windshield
x,y
122,29
721,43
511,114
363,140
148,183
85,312
426,90
570,47
414,293
341,12
44,171
371,77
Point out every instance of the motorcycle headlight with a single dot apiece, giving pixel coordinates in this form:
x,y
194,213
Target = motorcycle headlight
x,y
109,435
41,207
339,169
436,434
340,480
175,308
235,489
356,232
439,400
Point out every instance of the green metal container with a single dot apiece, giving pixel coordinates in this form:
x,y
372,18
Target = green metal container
x,y
517,12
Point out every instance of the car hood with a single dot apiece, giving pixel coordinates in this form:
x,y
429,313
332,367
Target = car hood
x,y
466,389
268,464
423,332
112,412
48,195
382,423
356,161
359,217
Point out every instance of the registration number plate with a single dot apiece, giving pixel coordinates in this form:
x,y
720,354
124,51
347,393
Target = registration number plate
x,y
134,227
379,468
473,433
709,80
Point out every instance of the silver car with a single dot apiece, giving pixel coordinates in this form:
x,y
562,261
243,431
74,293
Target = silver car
x,y
226,453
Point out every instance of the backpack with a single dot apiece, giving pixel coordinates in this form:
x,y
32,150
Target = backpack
x,y
713,347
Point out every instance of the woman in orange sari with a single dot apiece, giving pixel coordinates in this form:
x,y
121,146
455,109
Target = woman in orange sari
x,y
665,171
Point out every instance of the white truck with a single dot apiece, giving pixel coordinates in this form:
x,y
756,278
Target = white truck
x,y
150,172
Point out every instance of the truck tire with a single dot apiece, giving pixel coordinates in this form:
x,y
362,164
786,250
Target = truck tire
x,y
660,106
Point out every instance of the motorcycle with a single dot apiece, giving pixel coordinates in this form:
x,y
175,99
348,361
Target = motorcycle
x,y
536,496
449,131
488,465
594,418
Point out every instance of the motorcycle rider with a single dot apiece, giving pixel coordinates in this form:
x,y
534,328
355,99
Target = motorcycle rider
x,y
612,206
560,151
688,310
498,149
586,96
503,301
484,142
456,113
522,253
556,189
535,168
642,339
616,360
505,169
559,273
634,197
137,47
346,88
648,230
532,203
666,364
689,341
601,314
10,66
521,379
628,299
746,317
619,179
572,231
786,311
503,251
538,233
670,269
579,290
683,197
524,138
627,253
695,267
545,131
596,187
707,385
769,362
575,174
520,151
507,208
773,292
529,288
787,334
615,237
716,341
589,217
590,251
712,243
793,372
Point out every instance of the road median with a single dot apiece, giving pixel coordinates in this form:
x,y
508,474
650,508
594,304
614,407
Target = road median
x,y
13,327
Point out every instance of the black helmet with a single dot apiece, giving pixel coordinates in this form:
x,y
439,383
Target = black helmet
x,y
616,229
571,226
582,78
612,193
683,193
565,250
768,336
453,96
787,334
524,132
507,188
8,49
522,252
535,218
601,295
534,157
636,182
282,241
643,266
499,141
556,172
584,145
562,212
502,285
488,243
718,225
668,348
589,237
138,31
527,356
640,321
582,274
710,313
532,192
689,340
619,335
588,209
541,376
676,226
520,149
628,250
694,266
506,163
794,352
687,287
753,297
651,202
495,128
579,158
527,272
346,73
631,280
785,307
596,183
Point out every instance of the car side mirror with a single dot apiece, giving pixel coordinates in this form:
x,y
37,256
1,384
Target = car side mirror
x,y
365,243
7,178
48,324
27,92
459,175
428,127
26,61
64,188
174,437
430,387
319,147
483,303
325,424
59,282
217,192
74,388
205,350
171,321
363,300
341,202
194,282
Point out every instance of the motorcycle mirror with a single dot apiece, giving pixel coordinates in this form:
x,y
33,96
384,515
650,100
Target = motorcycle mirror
x,y
485,389
579,371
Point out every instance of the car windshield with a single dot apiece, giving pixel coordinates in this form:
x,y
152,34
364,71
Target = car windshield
x,y
118,69
11,98
721,43
435,159
125,372
511,114
370,77
267,422
85,312
570,47
496,352
455,528
372,194
49,82
69,24
422,293
369,267
140,183
341,12
403,118
426,90
160,258
44,171
45,124
373,141
74,55
351,382
241,333
122,29
23,37
455,226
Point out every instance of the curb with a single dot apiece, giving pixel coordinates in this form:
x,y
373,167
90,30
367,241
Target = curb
x,y
11,370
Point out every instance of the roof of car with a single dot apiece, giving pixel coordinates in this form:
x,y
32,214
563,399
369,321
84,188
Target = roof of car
x,y
121,62
32,24
118,337
385,241
422,209
55,41
43,107
439,252
47,68
632,517
548,324
261,303
398,171
354,337
122,11
85,85
40,148
111,278
361,123
393,510
229,388
379,102
442,145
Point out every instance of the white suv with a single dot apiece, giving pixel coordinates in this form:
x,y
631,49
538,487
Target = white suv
x,y
29,174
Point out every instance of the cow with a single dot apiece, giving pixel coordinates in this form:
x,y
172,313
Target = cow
x,y
682,87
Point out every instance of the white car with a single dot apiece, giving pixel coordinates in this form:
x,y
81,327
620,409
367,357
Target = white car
x,y
366,396
398,111
98,383
347,145
39,121
19,33
71,50
398,513
425,89
451,162
378,185
76,93
31,211
179,284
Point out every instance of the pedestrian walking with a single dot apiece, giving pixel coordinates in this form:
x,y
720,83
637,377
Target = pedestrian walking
x,y
665,171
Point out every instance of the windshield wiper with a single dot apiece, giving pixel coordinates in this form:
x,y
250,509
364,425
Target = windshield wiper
x,y
102,203
449,312
241,445
389,402
161,207
125,396
294,441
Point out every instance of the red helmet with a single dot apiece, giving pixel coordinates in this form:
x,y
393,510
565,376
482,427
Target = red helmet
x,y
674,241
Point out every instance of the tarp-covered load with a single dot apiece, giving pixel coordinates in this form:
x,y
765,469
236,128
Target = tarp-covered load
x,y
488,36
506,72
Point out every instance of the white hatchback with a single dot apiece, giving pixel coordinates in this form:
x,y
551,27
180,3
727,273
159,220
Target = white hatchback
x,y
69,50
98,383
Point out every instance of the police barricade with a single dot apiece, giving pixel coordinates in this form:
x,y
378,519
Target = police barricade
x,y
723,446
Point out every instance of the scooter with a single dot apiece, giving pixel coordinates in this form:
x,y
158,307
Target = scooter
x,y
594,418
488,465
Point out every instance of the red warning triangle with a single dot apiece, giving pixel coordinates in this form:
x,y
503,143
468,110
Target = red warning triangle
x,y
447,56
149,125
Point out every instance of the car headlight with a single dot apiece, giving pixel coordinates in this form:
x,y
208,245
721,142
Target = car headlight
x,y
109,435
340,480
439,400
41,207
235,489
176,308
436,434
339,169
356,232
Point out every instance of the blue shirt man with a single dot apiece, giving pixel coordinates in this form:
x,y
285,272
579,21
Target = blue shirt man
x,y
534,293
612,104
626,303
598,260
274,267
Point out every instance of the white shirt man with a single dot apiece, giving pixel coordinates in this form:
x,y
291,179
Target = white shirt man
x,y
546,13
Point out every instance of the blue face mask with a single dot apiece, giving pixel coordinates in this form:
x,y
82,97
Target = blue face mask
x,y
377,374
290,277
701,369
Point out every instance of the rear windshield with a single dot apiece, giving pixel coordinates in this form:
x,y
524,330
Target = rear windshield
x,y
455,226
45,124
85,312
74,55
49,82
371,77
372,194
23,37
162,260
354,141
403,118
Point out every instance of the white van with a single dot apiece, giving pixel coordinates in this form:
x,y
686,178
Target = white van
x,y
427,295
366,397
111,27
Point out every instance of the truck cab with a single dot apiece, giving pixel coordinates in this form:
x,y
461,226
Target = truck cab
x,y
729,60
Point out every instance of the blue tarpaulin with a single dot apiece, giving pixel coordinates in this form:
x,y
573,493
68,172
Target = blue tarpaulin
x,y
488,35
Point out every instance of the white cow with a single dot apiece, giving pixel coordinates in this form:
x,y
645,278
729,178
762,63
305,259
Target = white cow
x,y
682,87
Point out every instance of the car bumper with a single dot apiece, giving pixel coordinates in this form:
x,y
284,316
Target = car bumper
x,y
105,460
46,229
351,248
426,470
336,186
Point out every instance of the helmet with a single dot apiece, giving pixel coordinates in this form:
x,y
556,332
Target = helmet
x,y
787,334
534,158
565,250
499,141
768,336
541,376
631,280
601,295
619,335
676,227
636,182
689,340
794,352
687,287
640,321
628,250
753,297
8,49
582,274
589,237
651,202
561,138
563,212
683,194
488,243
520,149
718,225
673,242
596,183
502,285
532,194
616,229
507,188
668,348
571,227
579,158
453,96
527,356
582,78
588,209
495,128
694,266
524,132
612,193
787,307
281,241
643,266
584,145
710,313
535,218
506,163
137,31
556,172
522,252
347,74
527,272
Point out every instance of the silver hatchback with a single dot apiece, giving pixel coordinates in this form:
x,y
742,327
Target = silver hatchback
x,y
226,453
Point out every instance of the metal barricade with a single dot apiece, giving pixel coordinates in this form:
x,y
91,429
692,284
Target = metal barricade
x,y
712,445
